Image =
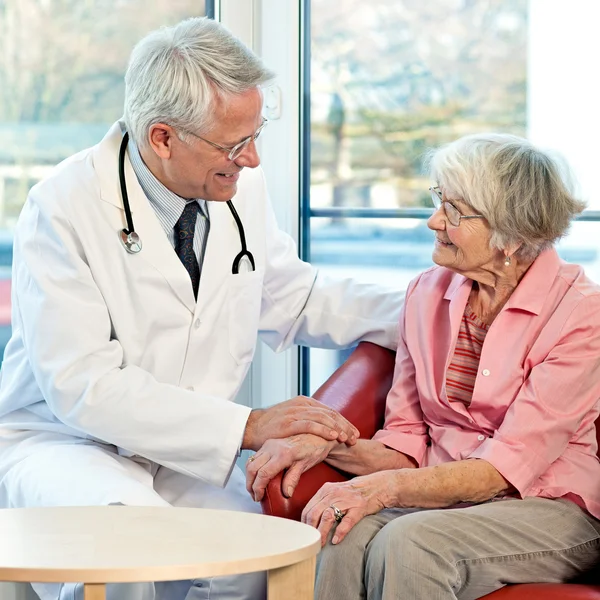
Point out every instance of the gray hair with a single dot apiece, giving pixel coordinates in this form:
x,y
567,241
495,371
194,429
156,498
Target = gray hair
x,y
525,194
176,73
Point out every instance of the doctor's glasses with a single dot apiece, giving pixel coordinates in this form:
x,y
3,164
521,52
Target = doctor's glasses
x,y
234,151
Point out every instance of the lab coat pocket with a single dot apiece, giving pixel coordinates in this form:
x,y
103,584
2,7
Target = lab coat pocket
x,y
244,298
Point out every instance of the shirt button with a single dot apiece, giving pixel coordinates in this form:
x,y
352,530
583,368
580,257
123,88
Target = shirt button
x,y
197,324
481,438
485,372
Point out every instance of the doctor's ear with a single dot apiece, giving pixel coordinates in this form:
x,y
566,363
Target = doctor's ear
x,y
160,137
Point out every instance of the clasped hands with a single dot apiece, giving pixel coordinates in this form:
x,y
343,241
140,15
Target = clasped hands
x,y
313,431
293,436
354,499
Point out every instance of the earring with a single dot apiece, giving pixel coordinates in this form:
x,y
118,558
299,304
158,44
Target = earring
x,y
507,262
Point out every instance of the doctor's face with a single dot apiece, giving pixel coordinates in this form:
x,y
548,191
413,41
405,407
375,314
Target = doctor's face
x,y
200,167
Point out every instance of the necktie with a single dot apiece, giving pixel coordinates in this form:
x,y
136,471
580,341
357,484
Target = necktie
x,y
184,243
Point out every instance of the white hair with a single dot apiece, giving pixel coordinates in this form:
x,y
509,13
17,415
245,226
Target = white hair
x,y
175,74
525,193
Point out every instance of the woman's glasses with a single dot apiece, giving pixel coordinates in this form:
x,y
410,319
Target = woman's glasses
x,y
452,213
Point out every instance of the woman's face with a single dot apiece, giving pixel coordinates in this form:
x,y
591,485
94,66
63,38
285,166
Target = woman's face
x,y
464,248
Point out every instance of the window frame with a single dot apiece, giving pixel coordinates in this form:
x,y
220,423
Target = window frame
x,y
280,33
274,377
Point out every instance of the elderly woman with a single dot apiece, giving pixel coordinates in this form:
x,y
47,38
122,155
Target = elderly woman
x,y
485,472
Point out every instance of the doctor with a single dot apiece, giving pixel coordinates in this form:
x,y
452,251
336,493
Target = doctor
x,y
138,295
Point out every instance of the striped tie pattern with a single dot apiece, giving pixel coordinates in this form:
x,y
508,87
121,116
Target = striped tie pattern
x,y
185,229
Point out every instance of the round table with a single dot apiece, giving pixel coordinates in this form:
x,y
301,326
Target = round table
x,y
122,544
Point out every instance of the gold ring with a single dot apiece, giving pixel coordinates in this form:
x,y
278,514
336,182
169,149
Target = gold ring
x,y
338,515
252,458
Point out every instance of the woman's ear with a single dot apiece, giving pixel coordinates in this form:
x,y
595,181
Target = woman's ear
x,y
511,250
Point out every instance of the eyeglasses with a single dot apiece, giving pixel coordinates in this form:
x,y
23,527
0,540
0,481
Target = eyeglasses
x,y
452,213
235,151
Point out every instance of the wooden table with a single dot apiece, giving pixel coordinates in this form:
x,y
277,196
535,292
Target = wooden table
x,y
123,544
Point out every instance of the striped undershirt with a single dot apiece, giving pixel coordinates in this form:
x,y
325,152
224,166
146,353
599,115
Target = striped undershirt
x,y
462,372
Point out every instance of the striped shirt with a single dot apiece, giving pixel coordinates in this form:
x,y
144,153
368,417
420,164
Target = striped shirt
x,y
167,205
462,372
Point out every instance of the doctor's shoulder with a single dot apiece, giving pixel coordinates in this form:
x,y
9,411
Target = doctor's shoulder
x,y
69,182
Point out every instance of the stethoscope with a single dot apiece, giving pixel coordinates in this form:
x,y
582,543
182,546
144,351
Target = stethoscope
x,y
131,240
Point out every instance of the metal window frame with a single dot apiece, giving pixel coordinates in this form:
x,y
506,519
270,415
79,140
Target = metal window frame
x,y
271,28
212,9
305,211
399,213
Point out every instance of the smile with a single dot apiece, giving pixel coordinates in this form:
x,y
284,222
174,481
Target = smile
x,y
230,177
442,243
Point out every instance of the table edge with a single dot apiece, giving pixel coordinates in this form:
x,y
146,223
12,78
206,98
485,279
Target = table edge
x,y
158,573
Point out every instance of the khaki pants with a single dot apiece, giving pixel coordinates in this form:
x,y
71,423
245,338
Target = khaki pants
x,y
465,553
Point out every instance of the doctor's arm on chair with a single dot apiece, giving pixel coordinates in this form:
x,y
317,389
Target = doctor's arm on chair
x,y
302,306
295,456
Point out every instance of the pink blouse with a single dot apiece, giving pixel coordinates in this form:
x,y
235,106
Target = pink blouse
x,y
537,390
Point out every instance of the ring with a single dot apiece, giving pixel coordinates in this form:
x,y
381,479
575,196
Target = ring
x,y
251,458
338,515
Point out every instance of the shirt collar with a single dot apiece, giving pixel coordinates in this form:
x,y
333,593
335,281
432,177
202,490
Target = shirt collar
x,y
167,205
533,289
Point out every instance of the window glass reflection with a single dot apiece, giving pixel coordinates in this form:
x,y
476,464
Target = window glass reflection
x,y
392,78
61,86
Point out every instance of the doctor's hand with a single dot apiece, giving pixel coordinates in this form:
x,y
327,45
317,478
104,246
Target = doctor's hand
x,y
296,454
296,416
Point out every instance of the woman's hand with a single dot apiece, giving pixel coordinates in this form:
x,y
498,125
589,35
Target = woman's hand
x,y
356,499
296,454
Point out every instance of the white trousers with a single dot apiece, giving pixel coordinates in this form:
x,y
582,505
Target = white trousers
x,y
93,475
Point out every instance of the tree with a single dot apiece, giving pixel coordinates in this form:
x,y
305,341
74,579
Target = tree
x,y
62,63
64,60
411,75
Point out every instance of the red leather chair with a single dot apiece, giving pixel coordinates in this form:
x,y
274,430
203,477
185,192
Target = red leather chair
x,y
358,390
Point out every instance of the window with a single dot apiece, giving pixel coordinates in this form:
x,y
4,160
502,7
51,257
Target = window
x,y
61,87
390,79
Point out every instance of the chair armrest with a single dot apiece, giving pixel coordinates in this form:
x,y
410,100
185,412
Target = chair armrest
x,y
545,591
358,390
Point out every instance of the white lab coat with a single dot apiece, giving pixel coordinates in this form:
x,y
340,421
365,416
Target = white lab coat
x,y
111,347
